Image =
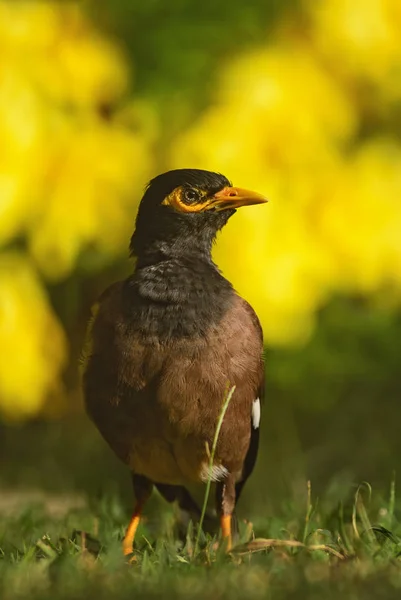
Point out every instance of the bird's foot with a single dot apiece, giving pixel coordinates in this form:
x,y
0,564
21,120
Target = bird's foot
x,y
131,558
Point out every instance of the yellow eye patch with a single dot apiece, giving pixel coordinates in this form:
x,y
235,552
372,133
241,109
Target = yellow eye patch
x,y
177,201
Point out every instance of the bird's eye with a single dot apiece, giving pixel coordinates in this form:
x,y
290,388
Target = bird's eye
x,y
190,196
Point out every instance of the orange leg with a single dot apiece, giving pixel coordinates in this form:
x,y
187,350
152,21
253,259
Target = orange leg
x,y
225,505
225,524
128,541
142,489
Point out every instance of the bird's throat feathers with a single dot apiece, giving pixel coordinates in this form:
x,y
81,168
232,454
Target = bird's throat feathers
x,y
177,296
168,234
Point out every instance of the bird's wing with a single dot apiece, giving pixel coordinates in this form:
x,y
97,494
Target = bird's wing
x,y
255,416
87,346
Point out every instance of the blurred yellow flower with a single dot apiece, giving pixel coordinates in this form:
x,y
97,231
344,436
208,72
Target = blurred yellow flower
x,y
278,125
284,124
360,221
292,120
60,53
72,168
33,346
278,108
361,39
92,171
70,175
21,132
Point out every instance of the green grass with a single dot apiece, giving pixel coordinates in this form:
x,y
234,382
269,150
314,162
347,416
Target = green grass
x,y
65,501
351,552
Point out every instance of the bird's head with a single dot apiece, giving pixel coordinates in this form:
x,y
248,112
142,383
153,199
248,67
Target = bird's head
x,y
182,210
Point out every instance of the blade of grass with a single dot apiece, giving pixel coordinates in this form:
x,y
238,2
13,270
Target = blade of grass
x,y
343,531
211,460
309,509
360,511
260,544
391,502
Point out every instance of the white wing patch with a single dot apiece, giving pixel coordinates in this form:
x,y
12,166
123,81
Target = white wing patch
x,y
216,473
256,413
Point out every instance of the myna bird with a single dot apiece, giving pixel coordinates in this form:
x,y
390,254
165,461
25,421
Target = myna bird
x,y
167,343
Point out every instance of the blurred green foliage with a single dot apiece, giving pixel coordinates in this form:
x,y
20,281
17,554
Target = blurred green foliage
x,y
178,49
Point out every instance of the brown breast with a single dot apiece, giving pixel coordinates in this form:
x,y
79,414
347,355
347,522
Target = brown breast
x,y
157,404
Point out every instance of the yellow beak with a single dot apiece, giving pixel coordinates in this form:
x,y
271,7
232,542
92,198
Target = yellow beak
x,y
234,197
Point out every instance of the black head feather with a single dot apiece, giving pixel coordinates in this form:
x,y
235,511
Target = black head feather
x,y
162,230
164,184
